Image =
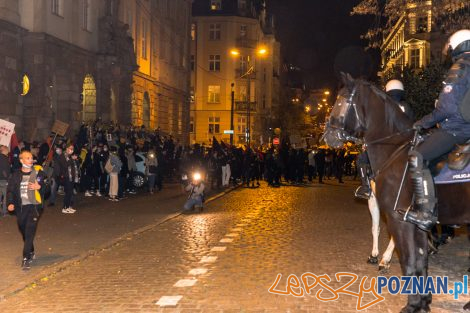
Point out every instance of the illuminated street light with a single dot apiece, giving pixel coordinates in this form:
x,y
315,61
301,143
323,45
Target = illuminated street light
x,y
234,52
327,92
261,51
251,70
307,108
324,100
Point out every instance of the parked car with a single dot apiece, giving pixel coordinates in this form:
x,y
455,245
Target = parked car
x,y
138,178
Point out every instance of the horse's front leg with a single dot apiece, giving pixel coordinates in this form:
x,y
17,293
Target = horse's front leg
x,y
375,215
384,265
412,246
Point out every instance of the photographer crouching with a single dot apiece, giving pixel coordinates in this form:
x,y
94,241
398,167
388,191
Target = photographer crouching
x,y
196,195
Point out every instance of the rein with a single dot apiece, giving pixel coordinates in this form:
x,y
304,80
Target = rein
x,y
394,154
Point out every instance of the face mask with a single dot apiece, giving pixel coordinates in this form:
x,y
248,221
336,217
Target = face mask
x,y
58,151
27,166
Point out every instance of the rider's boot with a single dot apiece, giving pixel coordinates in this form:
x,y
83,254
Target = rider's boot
x,y
423,211
364,191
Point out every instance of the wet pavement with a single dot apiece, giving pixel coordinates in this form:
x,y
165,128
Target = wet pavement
x,y
226,258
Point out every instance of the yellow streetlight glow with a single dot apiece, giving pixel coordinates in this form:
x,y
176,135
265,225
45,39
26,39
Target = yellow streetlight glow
x,y
324,100
234,52
327,92
307,108
262,51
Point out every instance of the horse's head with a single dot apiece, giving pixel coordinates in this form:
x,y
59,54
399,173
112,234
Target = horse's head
x,y
345,122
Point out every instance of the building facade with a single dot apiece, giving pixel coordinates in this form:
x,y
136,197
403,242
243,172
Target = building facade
x,y
233,49
86,60
419,36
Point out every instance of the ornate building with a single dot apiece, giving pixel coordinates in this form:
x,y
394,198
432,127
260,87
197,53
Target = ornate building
x,y
233,49
125,61
416,37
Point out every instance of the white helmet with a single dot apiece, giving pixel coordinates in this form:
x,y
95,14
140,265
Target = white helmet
x,y
394,84
456,39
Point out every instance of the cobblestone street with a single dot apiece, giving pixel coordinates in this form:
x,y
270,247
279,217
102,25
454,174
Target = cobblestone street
x,y
226,258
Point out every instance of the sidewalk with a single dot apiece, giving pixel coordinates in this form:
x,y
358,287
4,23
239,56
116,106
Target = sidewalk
x,y
63,239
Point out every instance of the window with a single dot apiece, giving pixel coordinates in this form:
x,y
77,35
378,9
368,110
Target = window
x,y
241,125
86,15
242,4
191,124
422,25
214,125
193,31
192,94
144,40
214,63
242,95
414,58
214,31
243,31
216,5
192,62
57,7
243,64
213,94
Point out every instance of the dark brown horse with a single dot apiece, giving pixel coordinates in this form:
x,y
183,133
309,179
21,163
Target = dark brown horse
x,y
364,113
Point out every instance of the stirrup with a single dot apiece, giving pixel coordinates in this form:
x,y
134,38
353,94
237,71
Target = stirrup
x,y
363,193
425,223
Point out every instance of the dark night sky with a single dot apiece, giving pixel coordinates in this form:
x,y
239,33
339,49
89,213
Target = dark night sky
x,y
314,34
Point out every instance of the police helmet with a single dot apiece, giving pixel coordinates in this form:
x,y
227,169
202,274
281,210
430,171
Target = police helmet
x,y
394,84
458,43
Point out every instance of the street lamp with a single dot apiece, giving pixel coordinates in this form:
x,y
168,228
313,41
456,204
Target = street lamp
x,y
261,51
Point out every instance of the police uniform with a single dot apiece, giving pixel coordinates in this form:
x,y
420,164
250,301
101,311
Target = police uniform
x,y
454,129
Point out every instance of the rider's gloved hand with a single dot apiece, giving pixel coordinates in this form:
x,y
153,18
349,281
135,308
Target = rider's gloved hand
x,y
418,126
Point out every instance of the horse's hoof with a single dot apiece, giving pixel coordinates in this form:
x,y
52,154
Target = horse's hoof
x,y
372,260
384,270
466,307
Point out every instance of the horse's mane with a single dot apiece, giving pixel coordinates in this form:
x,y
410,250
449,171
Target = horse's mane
x,y
395,119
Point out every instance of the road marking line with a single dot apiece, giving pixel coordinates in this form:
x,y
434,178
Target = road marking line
x,y
185,283
218,249
197,271
232,235
169,300
241,225
226,240
208,259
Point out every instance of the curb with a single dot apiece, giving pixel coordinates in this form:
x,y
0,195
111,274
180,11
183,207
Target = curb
x,y
54,269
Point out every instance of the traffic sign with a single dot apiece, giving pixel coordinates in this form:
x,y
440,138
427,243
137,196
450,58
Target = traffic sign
x,y
276,141
228,131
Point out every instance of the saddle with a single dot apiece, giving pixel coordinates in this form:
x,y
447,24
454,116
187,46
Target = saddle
x,y
455,168
459,158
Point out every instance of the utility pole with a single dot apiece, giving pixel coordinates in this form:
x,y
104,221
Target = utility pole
x,y
248,109
231,114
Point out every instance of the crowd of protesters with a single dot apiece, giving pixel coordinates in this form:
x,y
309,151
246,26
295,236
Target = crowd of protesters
x,y
101,161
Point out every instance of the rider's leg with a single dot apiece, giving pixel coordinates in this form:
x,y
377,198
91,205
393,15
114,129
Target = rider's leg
x,y
424,214
363,165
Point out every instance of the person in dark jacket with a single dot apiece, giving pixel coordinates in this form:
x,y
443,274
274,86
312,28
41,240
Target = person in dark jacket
x,y
454,129
4,176
24,195
68,176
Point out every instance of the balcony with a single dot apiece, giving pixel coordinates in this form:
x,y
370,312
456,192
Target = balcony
x,y
243,42
242,106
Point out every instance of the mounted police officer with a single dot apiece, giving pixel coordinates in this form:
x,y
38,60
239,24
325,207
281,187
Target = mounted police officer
x,y
394,88
452,112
